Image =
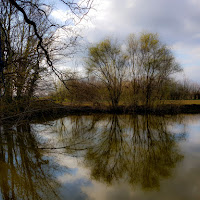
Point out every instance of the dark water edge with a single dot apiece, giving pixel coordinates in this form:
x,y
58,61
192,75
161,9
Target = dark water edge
x,y
47,110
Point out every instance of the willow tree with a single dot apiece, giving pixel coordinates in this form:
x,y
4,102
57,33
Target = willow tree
x,y
108,63
152,63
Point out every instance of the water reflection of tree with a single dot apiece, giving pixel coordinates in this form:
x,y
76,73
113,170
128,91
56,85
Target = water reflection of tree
x,y
24,172
138,149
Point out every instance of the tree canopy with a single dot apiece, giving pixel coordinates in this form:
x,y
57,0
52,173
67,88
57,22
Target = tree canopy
x,y
143,64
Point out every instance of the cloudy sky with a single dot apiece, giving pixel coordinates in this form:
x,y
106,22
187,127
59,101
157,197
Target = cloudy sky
x,y
176,21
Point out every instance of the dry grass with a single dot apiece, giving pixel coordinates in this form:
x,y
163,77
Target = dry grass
x,y
182,102
174,102
122,103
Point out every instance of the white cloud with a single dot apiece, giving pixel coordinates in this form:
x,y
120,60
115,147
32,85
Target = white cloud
x,y
60,15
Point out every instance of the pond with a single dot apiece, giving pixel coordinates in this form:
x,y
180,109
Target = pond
x,y
102,157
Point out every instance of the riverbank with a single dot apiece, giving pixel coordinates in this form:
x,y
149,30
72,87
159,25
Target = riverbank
x,y
47,110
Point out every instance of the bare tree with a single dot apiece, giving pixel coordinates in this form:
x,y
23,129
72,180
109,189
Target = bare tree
x,y
28,32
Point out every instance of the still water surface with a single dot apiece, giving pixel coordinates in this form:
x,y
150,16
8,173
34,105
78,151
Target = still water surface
x,y
102,157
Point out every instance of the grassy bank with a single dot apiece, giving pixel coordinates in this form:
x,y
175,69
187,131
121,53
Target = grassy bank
x,y
47,109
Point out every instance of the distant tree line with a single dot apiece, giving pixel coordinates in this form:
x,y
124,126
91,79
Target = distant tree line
x,y
137,72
